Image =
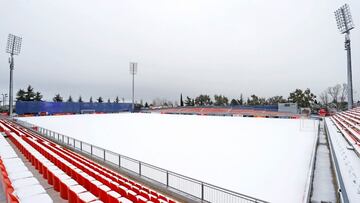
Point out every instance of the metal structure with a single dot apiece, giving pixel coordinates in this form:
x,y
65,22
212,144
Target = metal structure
x,y
195,189
133,71
4,99
13,48
345,24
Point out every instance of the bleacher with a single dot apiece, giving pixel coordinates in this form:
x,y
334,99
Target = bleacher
x,y
348,123
18,182
76,178
226,111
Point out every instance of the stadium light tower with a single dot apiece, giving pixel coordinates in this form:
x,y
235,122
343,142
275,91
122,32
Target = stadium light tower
x,y
13,48
4,99
133,71
345,24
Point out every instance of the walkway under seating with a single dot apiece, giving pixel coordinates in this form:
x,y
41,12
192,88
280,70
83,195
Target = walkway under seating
x,y
76,178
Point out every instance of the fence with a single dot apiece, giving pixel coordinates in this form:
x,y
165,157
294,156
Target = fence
x,y
194,188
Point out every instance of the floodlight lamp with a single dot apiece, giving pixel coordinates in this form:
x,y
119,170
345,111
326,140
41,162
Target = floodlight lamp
x,y
133,68
13,45
344,19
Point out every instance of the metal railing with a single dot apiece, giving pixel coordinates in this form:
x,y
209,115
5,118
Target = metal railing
x,y
197,189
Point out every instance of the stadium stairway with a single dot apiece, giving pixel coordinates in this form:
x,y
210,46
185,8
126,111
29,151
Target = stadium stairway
x,y
76,178
348,123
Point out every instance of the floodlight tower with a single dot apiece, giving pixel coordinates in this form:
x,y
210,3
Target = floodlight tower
x,y
133,71
4,99
345,24
13,48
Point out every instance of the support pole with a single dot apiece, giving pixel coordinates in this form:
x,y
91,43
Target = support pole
x,y
11,86
349,71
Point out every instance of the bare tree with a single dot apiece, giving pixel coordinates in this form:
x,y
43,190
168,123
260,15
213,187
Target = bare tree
x,y
324,98
334,92
343,93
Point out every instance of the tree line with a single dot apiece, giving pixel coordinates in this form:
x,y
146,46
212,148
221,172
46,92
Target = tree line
x,y
29,94
304,98
331,97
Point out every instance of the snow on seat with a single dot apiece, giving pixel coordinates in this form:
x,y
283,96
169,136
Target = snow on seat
x,y
125,200
74,191
86,197
41,198
25,182
29,191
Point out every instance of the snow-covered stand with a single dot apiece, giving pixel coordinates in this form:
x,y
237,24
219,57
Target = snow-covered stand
x,y
344,138
77,178
18,182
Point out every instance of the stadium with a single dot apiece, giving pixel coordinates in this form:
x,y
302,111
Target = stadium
x,y
156,146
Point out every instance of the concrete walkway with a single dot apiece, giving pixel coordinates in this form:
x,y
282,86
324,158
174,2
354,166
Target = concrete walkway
x,y
323,183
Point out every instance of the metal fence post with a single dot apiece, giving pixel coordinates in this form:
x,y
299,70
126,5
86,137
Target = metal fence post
x,y
140,168
80,145
104,155
91,150
119,161
167,178
202,191
68,141
74,144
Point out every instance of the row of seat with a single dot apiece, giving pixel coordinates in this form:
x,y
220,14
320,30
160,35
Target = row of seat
x,y
348,122
18,182
108,183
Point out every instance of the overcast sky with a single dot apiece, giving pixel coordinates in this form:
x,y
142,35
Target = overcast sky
x,y
83,47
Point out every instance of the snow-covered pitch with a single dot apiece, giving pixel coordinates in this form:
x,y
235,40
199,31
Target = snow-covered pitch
x,y
266,158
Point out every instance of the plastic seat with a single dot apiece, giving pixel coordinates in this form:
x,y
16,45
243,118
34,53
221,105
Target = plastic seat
x,y
64,187
124,200
94,187
86,197
141,199
74,191
132,195
58,178
41,198
103,190
113,197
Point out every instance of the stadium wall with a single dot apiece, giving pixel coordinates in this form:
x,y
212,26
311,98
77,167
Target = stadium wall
x,y
35,107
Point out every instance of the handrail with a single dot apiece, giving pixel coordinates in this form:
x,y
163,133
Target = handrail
x,y
195,188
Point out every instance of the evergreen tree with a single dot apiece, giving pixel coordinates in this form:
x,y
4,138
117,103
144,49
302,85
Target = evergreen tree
x,y
221,100
20,95
58,98
241,100
181,100
91,100
189,102
202,100
109,100
80,99
38,96
234,102
70,99
117,100
146,105
302,98
30,94
100,100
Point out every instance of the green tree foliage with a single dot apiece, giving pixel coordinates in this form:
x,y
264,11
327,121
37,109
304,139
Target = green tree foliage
x,y
117,100
70,99
302,98
234,102
20,95
28,95
91,100
181,100
189,101
58,98
241,100
80,99
221,100
100,100
203,100
109,100
255,100
275,100
146,105
38,96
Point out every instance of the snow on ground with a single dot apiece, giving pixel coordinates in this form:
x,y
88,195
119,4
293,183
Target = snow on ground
x,y
349,162
261,157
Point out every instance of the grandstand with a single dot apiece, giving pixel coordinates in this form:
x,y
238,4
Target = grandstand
x,y
344,136
244,111
75,177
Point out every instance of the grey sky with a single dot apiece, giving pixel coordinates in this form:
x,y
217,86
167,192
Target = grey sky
x,y
83,47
